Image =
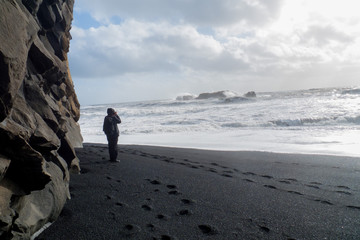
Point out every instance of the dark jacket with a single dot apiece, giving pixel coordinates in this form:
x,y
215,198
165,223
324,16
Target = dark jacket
x,y
110,125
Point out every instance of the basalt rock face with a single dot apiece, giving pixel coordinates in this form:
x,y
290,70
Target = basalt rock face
x,y
39,111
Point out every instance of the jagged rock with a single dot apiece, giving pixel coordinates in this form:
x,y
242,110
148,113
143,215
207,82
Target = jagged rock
x,y
186,97
218,95
250,94
39,111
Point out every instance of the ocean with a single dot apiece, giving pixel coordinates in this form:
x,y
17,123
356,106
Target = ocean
x,y
317,121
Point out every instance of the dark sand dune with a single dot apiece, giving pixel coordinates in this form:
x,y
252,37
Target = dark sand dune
x,y
170,193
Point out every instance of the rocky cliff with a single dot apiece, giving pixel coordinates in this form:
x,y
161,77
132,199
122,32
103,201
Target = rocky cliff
x,y
38,114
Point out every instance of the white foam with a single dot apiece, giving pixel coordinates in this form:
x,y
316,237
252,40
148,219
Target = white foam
x,y
317,120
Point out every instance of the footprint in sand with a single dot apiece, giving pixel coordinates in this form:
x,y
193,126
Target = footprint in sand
x,y
284,181
174,192
208,230
344,192
291,179
168,160
146,207
315,183
312,186
249,174
171,186
131,229
120,204
323,202
354,207
226,175
270,186
295,192
267,176
155,182
187,201
162,217
166,237
248,180
184,212
264,229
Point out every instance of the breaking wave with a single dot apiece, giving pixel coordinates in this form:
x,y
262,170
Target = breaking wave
x,y
274,116
351,91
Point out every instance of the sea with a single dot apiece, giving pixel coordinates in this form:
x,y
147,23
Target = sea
x,y
313,121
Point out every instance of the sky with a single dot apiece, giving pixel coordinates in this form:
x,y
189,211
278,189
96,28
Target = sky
x,y
124,51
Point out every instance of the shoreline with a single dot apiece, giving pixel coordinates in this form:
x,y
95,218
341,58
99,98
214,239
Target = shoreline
x,y
316,153
181,193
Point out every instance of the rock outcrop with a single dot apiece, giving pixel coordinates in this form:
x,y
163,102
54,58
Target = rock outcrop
x,y
250,94
218,95
39,111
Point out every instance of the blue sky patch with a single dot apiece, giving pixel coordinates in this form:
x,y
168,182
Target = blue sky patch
x,y
84,20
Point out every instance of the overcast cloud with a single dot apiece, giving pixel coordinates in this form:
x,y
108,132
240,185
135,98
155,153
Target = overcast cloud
x,y
155,49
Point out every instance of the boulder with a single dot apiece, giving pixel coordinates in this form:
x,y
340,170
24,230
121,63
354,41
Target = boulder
x,y
217,95
250,94
39,111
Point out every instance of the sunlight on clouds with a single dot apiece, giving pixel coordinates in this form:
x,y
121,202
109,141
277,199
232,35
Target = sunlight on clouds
x,y
334,8
259,44
138,46
293,16
298,15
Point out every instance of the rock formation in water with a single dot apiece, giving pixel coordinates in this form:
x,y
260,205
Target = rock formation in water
x,y
185,97
39,111
250,94
218,95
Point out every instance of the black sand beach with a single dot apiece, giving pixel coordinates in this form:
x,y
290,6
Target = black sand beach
x,y
172,193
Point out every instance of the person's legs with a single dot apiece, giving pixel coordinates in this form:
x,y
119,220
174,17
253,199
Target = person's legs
x,y
112,144
109,146
115,149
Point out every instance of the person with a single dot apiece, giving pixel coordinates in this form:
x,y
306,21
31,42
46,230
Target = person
x,y
112,132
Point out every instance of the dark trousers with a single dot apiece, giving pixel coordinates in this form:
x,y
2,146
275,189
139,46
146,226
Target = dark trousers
x,y
112,143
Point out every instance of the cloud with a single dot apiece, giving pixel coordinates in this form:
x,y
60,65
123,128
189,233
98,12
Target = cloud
x,y
156,48
146,47
199,12
323,35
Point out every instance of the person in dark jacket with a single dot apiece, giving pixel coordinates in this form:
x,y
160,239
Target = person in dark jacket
x,y
112,132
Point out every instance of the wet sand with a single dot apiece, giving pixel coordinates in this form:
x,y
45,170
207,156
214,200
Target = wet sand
x,y
174,193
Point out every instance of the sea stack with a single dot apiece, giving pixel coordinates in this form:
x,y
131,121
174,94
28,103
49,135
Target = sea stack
x,y
39,111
